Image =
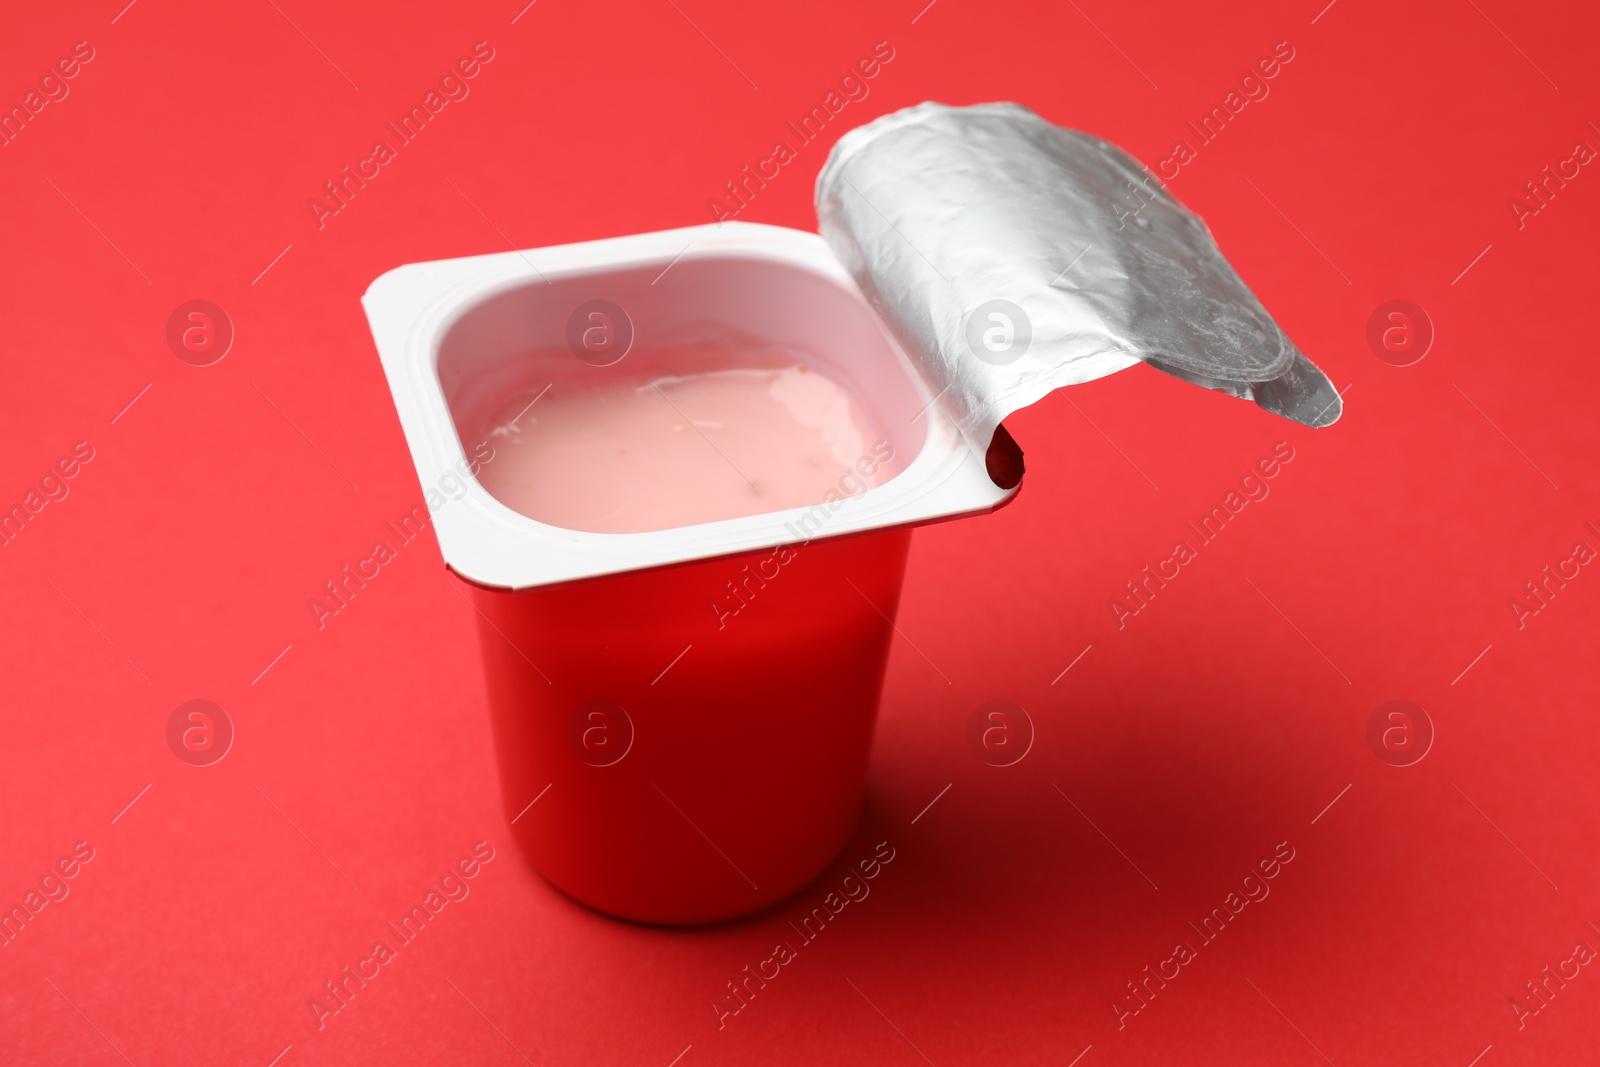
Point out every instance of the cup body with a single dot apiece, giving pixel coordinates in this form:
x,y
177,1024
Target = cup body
x,y
697,735
682,717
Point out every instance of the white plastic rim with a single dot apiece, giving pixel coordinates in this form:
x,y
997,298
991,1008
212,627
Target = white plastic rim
x,y
412,308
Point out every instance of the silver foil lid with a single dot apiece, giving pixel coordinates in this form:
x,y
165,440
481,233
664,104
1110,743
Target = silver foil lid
x,y
1012,257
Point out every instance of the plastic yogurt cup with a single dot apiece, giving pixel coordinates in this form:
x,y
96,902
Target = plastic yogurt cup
x,y
687,686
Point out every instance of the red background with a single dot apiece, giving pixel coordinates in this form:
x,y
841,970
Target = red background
x,y
1222,720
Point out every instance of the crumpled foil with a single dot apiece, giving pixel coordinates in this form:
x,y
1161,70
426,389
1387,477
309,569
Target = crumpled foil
x,y
1012,257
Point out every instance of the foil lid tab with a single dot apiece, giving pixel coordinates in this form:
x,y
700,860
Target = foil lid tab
x,y
1012,257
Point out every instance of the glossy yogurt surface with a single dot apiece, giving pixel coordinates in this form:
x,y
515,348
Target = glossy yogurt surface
x,y
633,454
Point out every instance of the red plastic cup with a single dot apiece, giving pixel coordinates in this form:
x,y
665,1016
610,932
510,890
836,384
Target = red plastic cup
x,y
729,773
682,718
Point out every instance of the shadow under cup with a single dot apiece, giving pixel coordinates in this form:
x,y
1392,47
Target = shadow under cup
x,y
689,743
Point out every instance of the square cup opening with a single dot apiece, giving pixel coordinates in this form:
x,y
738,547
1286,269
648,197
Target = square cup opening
x,y
646,396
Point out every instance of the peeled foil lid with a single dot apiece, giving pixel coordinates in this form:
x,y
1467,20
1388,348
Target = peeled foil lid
x,y
1012,257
